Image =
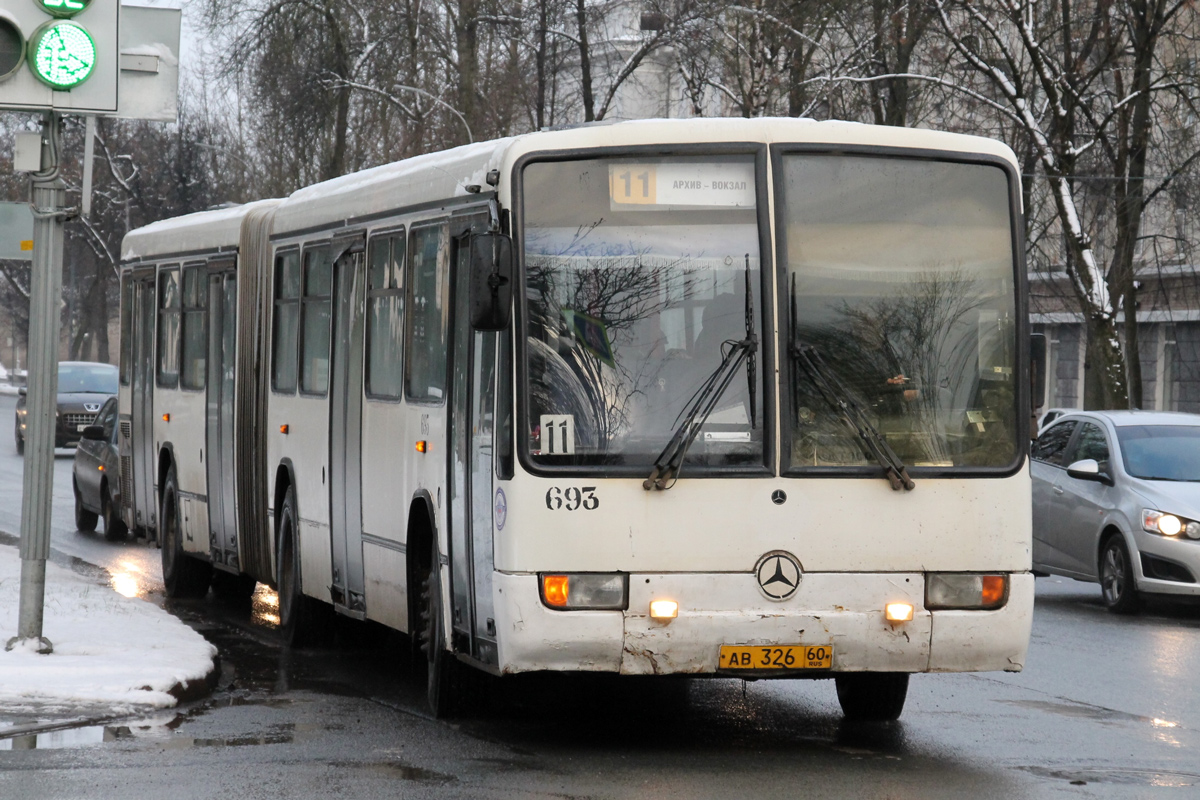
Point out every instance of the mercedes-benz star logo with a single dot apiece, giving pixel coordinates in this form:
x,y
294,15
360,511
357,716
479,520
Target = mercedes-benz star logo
x,y
778,574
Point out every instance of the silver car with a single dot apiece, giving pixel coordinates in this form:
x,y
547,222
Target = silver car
x,y
1116,500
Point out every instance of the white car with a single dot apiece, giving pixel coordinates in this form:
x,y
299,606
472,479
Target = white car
x,y
1116,500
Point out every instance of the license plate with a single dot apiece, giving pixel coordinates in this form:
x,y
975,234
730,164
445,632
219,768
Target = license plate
x,y
79,428
776,656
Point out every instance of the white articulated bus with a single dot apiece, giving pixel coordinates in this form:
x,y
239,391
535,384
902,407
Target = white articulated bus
x,y
700,397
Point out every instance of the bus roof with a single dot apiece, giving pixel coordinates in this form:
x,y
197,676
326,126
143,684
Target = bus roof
x,y
203,230
446,174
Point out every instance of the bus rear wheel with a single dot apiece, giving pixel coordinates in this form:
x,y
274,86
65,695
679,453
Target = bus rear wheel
x,y
183,576
872,696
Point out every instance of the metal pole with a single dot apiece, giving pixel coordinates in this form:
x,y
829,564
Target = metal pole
x,y
45,296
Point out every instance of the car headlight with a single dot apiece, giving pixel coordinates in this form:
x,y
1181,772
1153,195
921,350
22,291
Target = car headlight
x,y
1169,524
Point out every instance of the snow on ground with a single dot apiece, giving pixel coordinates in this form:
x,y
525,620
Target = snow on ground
x,y
110,651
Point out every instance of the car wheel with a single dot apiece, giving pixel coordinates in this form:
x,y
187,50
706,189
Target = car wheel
x,y
84,520
183,575
1117,583
19,439
114,527
302,620
872,696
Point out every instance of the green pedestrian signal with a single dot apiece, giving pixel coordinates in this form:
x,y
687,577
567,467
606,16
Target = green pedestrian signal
x,y
62,54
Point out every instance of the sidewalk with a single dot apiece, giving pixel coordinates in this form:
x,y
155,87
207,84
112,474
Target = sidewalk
x,y
113,655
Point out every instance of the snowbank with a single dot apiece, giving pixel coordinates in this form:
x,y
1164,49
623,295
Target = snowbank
x,y
109,650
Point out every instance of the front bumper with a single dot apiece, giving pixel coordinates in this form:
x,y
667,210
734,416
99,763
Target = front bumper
x,y
845,610
1176,550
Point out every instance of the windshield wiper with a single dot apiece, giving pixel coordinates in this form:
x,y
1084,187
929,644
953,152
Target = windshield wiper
x,y
807,358
695,413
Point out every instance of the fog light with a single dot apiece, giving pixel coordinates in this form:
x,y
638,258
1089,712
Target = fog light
x,y
1193,530
664,609
585,590
898,612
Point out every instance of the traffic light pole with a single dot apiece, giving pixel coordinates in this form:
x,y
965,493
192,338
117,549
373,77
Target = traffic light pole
x,y
45,297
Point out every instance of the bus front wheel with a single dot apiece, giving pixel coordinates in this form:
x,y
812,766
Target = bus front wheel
x,y
872,696
441,665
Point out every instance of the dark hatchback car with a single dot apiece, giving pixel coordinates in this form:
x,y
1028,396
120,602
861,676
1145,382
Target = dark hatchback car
x,y
83,386
96,477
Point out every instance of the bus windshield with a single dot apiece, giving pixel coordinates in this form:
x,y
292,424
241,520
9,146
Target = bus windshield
x,y
899,274
636,280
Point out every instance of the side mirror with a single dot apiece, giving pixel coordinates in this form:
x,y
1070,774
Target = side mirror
x,y
491,281
93,432
1089,470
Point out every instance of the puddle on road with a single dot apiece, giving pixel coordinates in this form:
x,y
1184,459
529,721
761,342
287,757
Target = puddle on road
x,y
159,727
1117,775
1081,710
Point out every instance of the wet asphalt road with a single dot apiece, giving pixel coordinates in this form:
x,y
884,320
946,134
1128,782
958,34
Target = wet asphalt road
x,y
1107,707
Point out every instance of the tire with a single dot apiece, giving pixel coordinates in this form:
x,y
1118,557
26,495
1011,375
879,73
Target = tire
x,y
441,667
20,440
872,696
302,620
84,520
1117,583
114,527
184,576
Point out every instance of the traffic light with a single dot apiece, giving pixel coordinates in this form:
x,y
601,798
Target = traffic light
x,y
59,54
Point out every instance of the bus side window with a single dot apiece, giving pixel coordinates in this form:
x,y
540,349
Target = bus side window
x,y
315,307
287,318
126,328
428,304
195,328
168,327
385,317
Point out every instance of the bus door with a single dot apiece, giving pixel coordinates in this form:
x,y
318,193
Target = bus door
x,y
142,395
345,425
219,430
472,415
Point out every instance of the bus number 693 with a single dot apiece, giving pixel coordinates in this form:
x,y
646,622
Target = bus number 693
x,y
572,498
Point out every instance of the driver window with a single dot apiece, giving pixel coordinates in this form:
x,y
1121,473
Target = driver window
x,y
1091,443
1050,445
108,419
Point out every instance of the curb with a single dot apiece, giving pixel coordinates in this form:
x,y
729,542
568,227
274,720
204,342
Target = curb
x,y
200,688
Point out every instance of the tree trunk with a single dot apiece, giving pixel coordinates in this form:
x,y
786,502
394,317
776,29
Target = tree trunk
x,y
540,59
585,63
466,34
1103,365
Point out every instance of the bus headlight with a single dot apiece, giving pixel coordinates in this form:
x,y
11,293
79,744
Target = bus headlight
x,y
579,591
965,591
